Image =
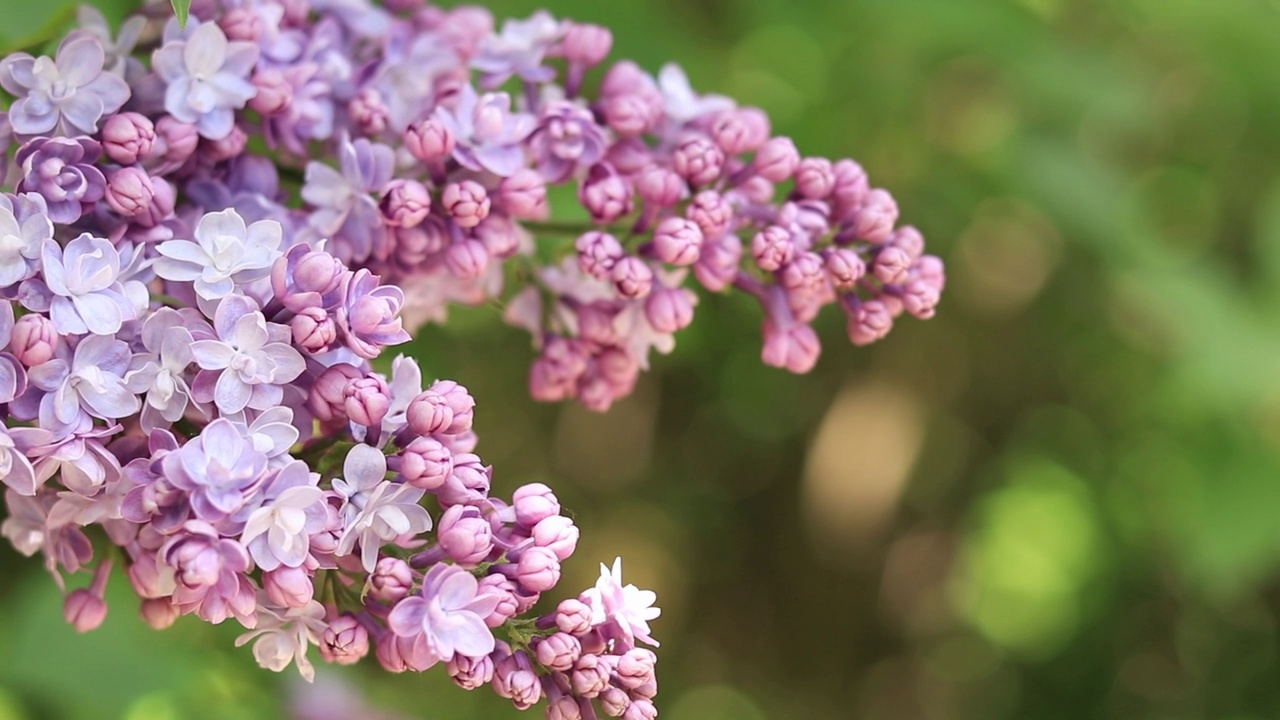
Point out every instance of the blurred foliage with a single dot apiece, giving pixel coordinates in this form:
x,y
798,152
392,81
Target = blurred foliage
x,y
1058,499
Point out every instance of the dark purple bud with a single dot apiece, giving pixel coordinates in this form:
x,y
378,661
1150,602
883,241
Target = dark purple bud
x,y
597,253
33,340
632,277
677,241
698,160
874,219
465,535
275,93
776,159
366,400
534,503
558,652
426,463
128,137
391,580
429,140
467,202
660,186
585,44
844,267
405,203
669,309
290,587
891,265
130,191
84,610
523,195
313,330
815,178
605,194
327,399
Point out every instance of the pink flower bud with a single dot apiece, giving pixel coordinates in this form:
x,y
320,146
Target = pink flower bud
x,y
758,127
605,194
524,688
677,241
466,202
891,265
239,23
130,191
920,298
328,393
499,236
391,580
369,111
597,253
815,178
128,137
230,146
585,44
776,159
573,616
366,400
176,140
590,676
159,613
711,212
429,140
909,240
632,277
558,652
558,534
160,207
290,587
84,610
534,503
931,269
344,641
698,160
460,402
718,265
313,330
731,131
803,273
33,340
660,186
629,156
426,463
640,709
275,93
635,668
873,221
538,569
470,673
523,195
795,348
844,267
405,203
850,188
619,369
669,309
505,590
388,653
614,701
465,535
444,408
564,708
869,322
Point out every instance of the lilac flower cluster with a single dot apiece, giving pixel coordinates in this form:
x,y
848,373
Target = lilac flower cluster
x,y
192,371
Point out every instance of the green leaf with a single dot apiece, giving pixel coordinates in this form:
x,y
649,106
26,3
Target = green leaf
x,y
182,8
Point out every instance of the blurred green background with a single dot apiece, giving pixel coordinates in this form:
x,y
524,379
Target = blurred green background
x,y
1058,499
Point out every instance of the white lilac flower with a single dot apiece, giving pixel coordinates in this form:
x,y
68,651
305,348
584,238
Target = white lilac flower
x,y
15,468
519,50
72,91
91,384
405,385
25,526
226,254
81,288
282,635
207,78
375,511
279,532
446,618
24,226
629,607
160,373
118,47
679,100
250,358
273,433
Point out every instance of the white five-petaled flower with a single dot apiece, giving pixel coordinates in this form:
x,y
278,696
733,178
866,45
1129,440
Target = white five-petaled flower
x,y
279,532
282,635
224,255
627,605
375,511
24,226
207,78
161,372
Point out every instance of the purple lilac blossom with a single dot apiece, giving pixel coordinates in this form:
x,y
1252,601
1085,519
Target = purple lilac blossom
x,y
71,93
206,77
